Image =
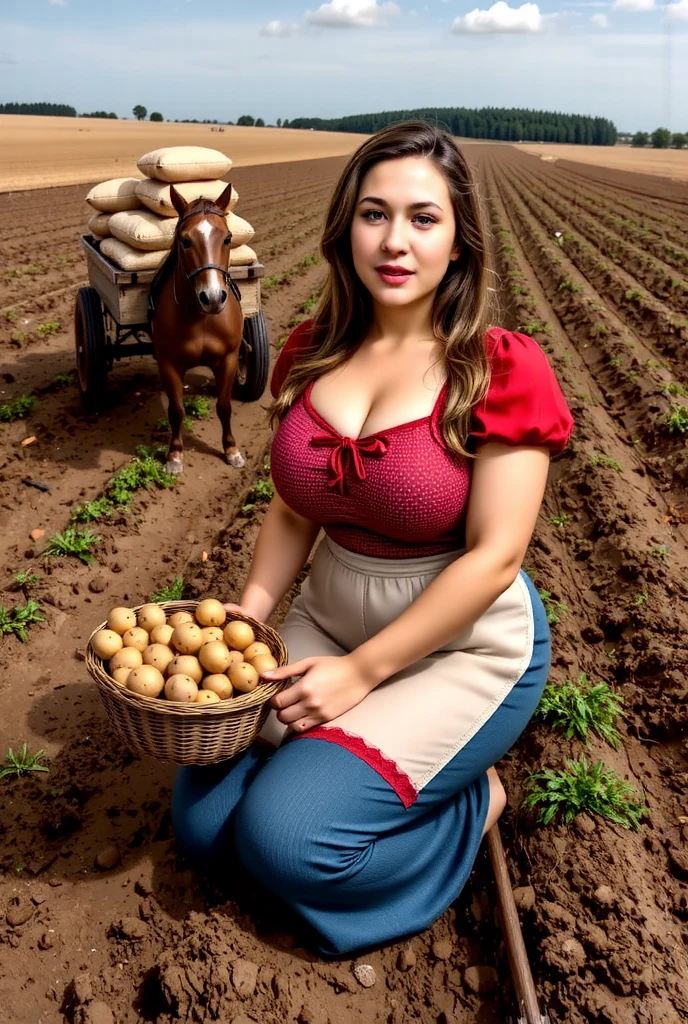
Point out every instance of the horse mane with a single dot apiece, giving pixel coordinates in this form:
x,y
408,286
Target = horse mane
x,y
167,268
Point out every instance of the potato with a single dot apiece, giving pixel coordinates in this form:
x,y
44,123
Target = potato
x,y
120,675
211,633
128,657
207,697
161,634
106,643
263,663
238,635
146,681
186,665
158,655
215,656
219,684
243,676
187,638
210,613
121,619
254,649
151,615
181,689
177,618
136,637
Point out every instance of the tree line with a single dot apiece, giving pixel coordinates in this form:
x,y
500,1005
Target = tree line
x,y
506,124
50,109
661,138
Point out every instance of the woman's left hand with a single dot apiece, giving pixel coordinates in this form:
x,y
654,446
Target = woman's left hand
x,y
326,689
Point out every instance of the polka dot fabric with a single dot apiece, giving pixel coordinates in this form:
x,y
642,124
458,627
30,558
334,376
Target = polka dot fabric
x,y
400,493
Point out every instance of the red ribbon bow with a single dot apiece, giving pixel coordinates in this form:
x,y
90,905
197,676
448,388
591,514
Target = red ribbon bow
x,y
348,449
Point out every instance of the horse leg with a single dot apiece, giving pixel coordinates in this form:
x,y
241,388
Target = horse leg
x,y
173,385
225,372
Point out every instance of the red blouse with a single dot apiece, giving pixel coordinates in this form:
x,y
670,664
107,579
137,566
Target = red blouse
x,y
401,493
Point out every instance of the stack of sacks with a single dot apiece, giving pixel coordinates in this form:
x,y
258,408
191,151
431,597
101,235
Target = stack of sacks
x,y
135,221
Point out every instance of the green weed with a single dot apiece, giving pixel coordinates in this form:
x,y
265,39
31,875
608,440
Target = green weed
x,y
641,598
17,409
262,493
677,419
567,285
16,620
63,380
576,708
22,763
633,295
29,269
553,608
48,328
164,424
8,315
143,471
173,592
197,406
18,338
26,578
599,331
673,388
659,552
536,327
604,460
582,786
92,511
75,543
562,520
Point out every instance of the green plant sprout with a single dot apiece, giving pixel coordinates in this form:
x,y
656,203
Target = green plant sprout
x,y
562,520
75,543
604,460
578,707
582,787
553,608
22,763
262,492
18,409
173,592
92,510
26,578
164,424
197,406
16,620
641,598
48,328
677,419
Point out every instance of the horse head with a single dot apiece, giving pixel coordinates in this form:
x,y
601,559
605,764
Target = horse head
x,y
203,240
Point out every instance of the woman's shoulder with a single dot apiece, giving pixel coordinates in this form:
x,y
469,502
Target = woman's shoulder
x,y
298,342
524,403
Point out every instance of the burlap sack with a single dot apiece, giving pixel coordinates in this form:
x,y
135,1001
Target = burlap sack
x,y
184,163
131,259
99,225
155,195
143,229
114,195
243,256
242,232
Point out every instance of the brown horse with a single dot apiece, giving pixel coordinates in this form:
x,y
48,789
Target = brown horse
x,y
195,316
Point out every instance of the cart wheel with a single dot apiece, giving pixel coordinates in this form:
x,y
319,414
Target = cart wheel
x,y
91,363
254,360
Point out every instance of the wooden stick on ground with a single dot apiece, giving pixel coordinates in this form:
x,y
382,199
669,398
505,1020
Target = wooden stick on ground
x,y
524,986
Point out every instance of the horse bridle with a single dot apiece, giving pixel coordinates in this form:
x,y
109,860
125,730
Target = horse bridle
x,y
208,266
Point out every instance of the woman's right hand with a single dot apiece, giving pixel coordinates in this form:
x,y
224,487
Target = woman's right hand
x,y
241,609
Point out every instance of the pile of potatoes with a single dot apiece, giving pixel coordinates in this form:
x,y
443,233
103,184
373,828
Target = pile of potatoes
x,y
187,658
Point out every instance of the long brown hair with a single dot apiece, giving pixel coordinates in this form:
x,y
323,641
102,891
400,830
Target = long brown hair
x,y
461,310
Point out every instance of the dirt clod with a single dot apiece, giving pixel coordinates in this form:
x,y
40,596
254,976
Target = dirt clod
x,y
19,912
442,949
132,928
524,897
365,975
96,1012
244,977
108,857
406,960
481,980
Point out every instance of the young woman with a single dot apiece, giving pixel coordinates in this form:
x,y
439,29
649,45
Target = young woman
x,y
418,437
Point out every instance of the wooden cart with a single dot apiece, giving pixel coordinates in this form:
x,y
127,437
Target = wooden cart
x,y
111,323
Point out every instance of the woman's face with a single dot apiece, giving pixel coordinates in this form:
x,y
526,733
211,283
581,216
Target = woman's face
x,y
403,230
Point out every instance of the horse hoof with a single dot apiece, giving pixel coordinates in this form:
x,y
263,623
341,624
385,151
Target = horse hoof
x,y
174,466
235,459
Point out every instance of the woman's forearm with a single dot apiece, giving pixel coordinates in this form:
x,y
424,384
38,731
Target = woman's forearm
x,y
454,600
284,543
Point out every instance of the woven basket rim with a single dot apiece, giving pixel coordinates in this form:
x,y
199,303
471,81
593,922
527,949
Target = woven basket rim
x,y
233,705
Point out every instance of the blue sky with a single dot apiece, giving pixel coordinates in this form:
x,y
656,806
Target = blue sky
x,y
622,59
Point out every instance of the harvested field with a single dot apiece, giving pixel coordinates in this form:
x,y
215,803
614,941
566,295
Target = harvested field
x,y
663,163
93,149
597,271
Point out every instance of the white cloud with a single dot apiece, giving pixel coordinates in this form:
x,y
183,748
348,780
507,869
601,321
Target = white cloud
x,y
599,21
353,14
677,11
501,18
281,29
57,3
634,5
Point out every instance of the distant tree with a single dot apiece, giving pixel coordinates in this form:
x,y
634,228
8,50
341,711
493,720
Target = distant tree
x,y
229,122
640,139
139,112
285,123
245,120
679,140
42,109
661,138
260,123
100,113
279,122
156,116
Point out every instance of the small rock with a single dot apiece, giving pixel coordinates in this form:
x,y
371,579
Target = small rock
x,y
19,913
406,960
37,534
442,949
82,989
312,1015
244,977
38,893
524,897
481,980
108,857
585,824
133,928
45,941
96,1012
98,584
574,950
365,975
605,895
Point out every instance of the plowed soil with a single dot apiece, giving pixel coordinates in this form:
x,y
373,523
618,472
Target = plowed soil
x,y
595,270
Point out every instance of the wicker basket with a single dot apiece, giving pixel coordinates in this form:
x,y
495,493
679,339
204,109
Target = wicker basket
x,y
188,733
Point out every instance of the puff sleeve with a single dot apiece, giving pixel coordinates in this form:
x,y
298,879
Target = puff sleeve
x,y
524,404
298,342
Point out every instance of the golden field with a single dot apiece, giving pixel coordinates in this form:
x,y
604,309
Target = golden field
x,y
667,163
42,152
